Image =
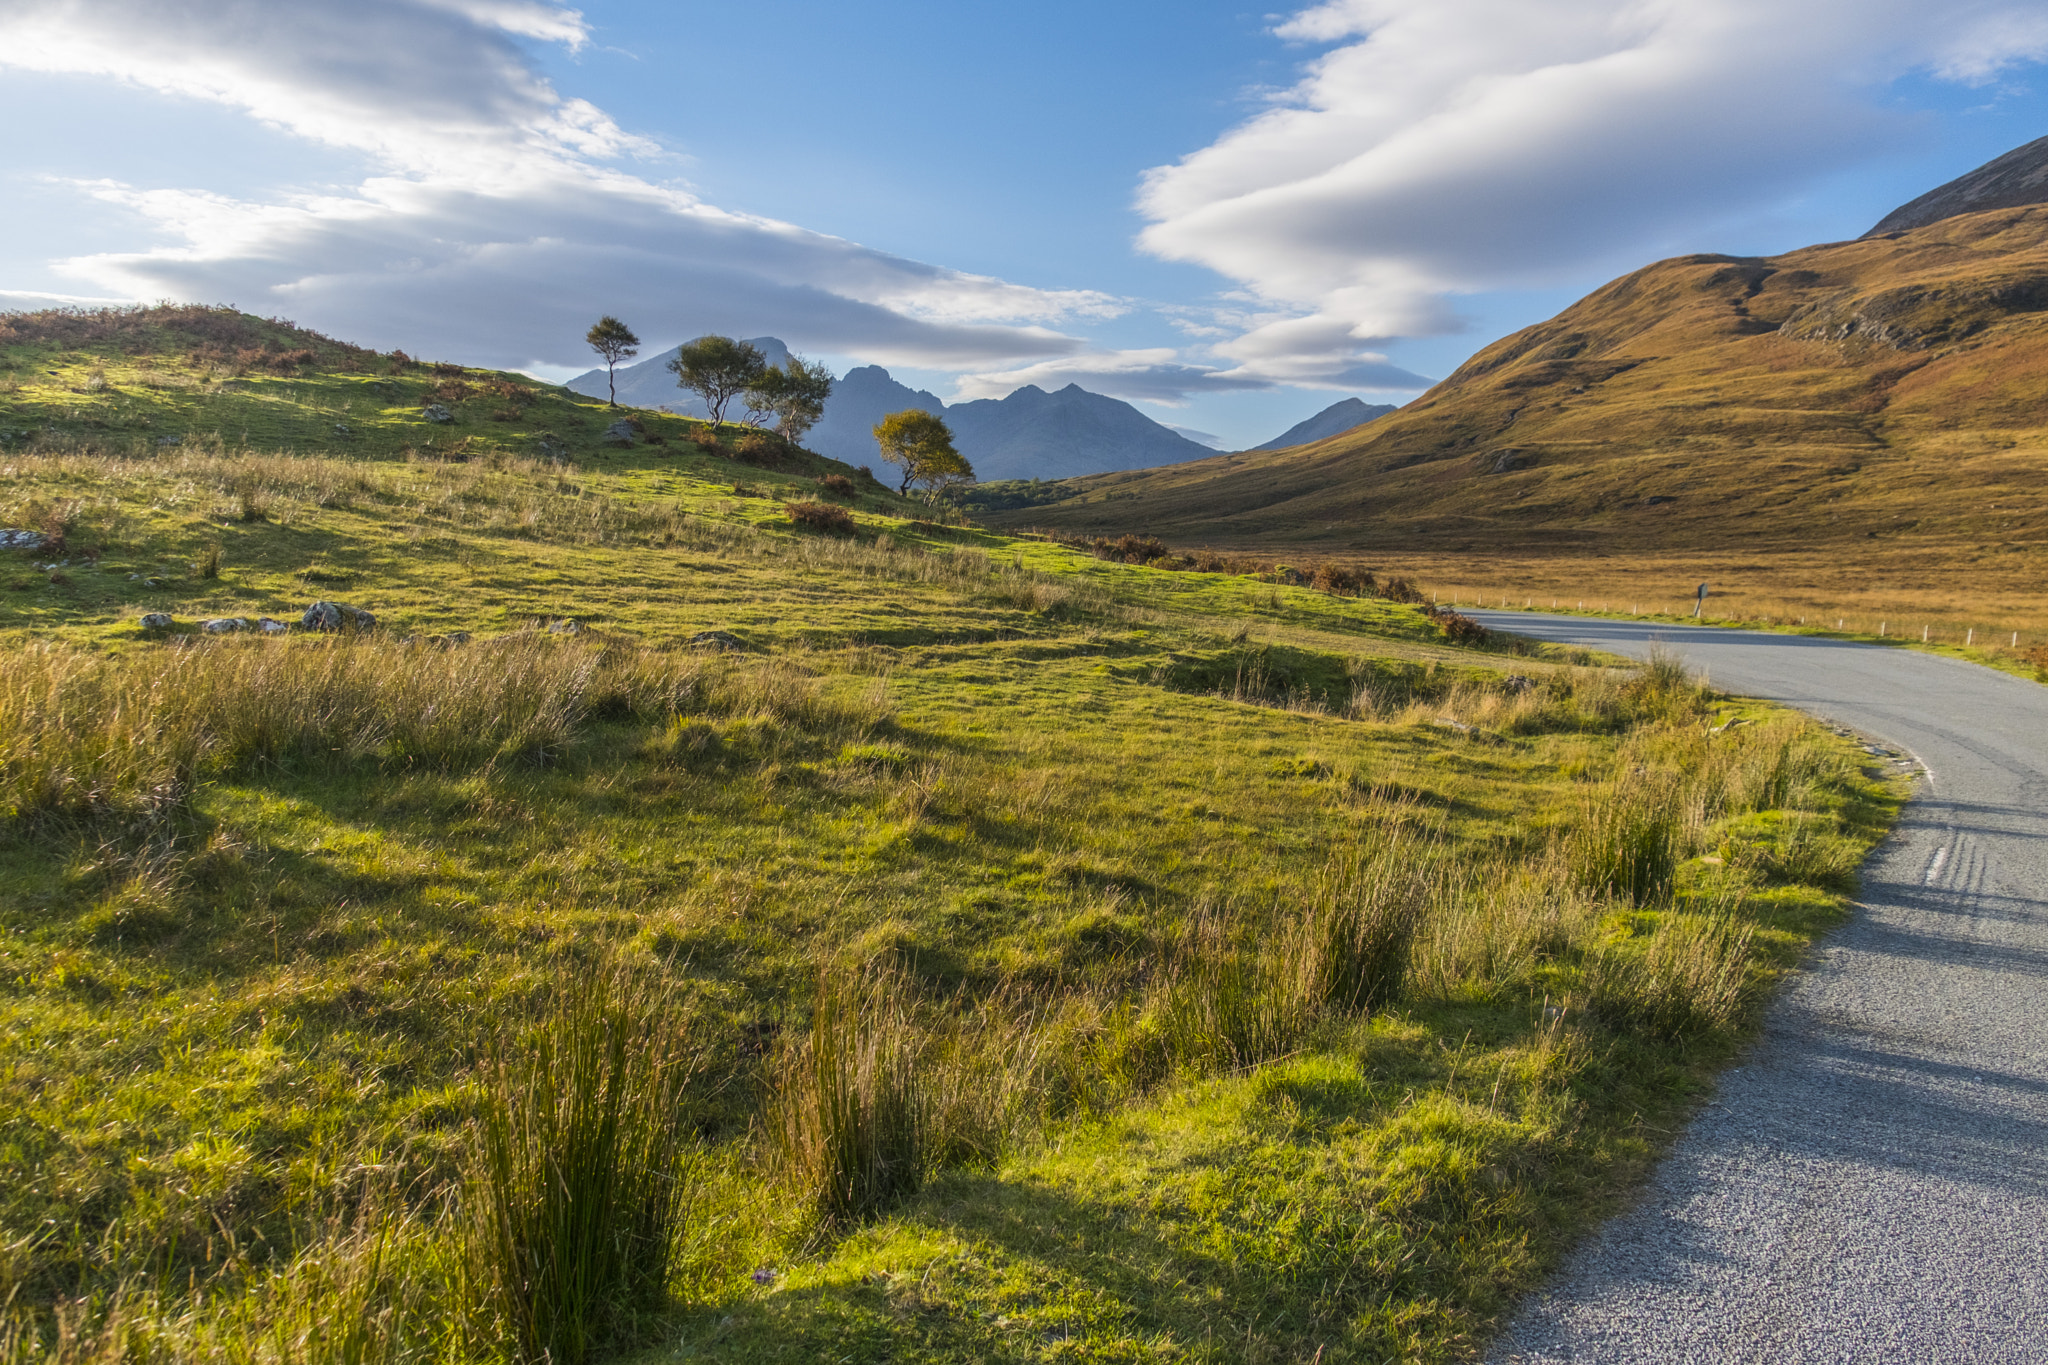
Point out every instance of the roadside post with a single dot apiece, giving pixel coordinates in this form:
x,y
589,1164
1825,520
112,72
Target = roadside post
x,y
1699,601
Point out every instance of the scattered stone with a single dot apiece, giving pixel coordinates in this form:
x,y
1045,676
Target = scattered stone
x,y
619,433
268,626
1515,682
1727,725
170,440
335,616
567,627
434,412
553,450
343,430
152,583
720,640
449,641
22,540
1447,723
1506,460
1658,500
224,625
157,620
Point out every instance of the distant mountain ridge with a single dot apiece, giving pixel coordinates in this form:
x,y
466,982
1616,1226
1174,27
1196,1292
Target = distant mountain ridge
x,y
1334,420
1030,434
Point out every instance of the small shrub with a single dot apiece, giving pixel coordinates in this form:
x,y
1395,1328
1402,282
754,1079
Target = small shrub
x,y
820,516
704,438
209,562
762,448
838,485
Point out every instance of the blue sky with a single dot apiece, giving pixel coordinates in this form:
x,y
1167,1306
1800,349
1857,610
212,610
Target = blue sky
x,y
1356,194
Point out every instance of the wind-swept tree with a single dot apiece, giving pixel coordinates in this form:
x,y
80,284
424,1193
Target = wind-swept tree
x,y
615,341
718,370
921,445
793,394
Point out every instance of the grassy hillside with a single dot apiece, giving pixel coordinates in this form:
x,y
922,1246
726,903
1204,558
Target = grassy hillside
x,y
1876,401
907,942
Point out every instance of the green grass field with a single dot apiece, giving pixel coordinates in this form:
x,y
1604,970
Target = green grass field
x,y
1002,954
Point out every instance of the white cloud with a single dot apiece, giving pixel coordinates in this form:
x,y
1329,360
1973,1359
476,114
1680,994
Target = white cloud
x,y
1452,146
1159,375
491,224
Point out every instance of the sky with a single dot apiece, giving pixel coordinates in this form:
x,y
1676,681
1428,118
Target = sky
x,y
1230,217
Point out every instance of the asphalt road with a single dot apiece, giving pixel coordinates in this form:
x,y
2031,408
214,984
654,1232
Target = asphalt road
x,y
1871,1184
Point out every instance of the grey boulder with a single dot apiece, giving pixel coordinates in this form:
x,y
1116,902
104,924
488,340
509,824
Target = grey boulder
x,y
224,625
156,620
434,412
335,616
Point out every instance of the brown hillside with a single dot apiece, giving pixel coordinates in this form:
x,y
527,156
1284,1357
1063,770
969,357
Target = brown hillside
x,y
1892,387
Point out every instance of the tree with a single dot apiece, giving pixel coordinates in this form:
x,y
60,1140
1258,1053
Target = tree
x,y
794,395
919,443
615,341
718,370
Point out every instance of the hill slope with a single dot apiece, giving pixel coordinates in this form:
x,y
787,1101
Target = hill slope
x,y
1889,387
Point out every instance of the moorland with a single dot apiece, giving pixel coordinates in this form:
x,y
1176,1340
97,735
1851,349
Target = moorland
x,y
693,925
1853,432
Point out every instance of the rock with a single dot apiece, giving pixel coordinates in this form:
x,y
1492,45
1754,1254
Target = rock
x,y
720,640
1506,460
170,440
22,540
267,626
335,616
1658,500
553,450
619,433
156,620
343,430
567,628
152,582
434,412
224,625
1515,682
450,641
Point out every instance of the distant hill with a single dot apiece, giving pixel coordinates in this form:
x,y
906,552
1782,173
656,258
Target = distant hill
x,y
1030,434
1334,420
1894,386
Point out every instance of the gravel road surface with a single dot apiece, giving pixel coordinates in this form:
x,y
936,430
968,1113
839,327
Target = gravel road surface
x,y
1871,1184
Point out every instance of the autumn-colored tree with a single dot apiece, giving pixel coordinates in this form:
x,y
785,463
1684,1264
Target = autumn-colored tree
x,y
614,341
793,394
718,370
921,445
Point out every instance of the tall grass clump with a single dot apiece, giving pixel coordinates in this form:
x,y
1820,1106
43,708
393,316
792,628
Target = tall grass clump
x,y
1630,840
582,1177
848,1121
1691,978
1229,1009
1348,949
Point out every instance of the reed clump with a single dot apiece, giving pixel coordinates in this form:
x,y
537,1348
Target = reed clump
x,y
582,1180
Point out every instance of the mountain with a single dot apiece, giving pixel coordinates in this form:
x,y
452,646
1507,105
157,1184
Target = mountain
x,y
1849,393
2015,180
1035,434
1030,434
864,397
1334,420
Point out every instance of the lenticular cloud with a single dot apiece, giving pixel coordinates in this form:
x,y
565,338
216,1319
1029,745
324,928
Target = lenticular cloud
x,y
1450,146
495,219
